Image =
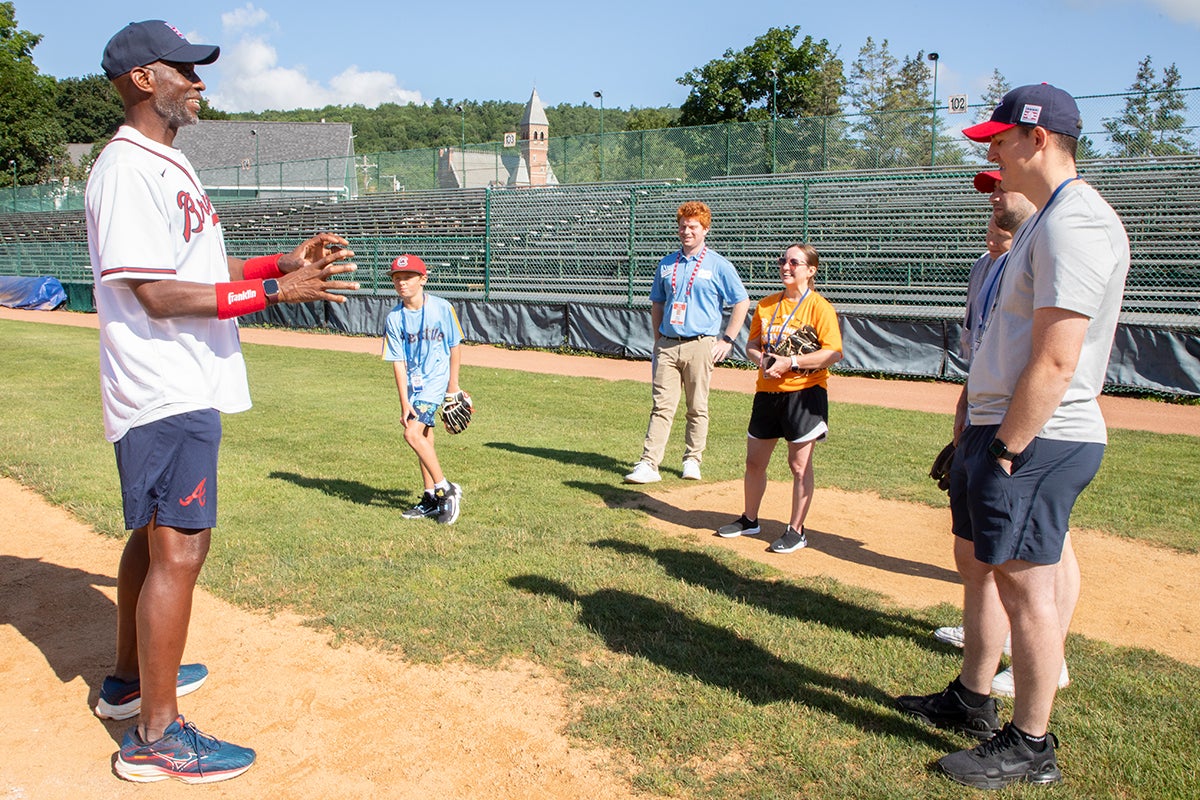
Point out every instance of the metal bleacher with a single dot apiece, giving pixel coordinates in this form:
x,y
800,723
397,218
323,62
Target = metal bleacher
x,y
894,242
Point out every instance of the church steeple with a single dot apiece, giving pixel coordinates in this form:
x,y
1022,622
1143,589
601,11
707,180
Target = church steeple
x,y
535,129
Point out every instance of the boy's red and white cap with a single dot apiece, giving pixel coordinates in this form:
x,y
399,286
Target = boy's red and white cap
x,y
407,263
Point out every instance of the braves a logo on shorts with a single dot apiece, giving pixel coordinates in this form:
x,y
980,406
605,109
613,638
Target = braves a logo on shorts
x,y
197,494
195,213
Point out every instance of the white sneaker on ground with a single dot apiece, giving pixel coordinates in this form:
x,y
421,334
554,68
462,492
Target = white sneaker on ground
x,y
691,469
1003,685
954,636
643,473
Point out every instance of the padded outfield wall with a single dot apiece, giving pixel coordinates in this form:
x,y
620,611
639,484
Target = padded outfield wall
x,y
571,266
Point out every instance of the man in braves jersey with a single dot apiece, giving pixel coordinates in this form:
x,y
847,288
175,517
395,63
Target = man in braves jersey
x,y
170,362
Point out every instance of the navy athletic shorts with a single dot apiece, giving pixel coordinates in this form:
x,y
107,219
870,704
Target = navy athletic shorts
x,y
169,466
801,416
1023,516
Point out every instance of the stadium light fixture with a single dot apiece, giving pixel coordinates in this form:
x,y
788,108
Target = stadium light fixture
x,y
774,73
933,132
462,113
257,185
600,96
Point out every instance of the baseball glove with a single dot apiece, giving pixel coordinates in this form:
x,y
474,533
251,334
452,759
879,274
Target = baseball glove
x,y
456,412
801,342
940,471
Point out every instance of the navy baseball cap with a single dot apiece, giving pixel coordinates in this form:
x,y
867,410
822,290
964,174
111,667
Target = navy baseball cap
x,y
142,43
1037,105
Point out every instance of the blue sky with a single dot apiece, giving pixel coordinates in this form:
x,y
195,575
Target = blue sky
x,y
283,54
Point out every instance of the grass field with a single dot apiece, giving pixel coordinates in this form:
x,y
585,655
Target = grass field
x,y
718,676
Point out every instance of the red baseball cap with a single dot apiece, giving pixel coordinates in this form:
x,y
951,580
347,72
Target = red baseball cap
x,y
986,181
407,263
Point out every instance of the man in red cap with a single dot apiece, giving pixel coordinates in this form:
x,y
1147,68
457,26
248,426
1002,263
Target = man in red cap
x,y
1035,435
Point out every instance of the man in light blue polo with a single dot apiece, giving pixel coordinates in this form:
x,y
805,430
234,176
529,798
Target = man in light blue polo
x,y
691,288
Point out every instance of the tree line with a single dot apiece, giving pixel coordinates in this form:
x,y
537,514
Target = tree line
x,y
868,108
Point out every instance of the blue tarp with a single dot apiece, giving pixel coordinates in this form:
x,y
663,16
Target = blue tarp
x,y
39,294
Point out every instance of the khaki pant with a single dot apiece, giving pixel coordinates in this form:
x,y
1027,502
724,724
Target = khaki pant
x,y
685,366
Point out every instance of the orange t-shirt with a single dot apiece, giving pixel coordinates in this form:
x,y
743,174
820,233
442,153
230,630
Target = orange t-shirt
x,y
767,328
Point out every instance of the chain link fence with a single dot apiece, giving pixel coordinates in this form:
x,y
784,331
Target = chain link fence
x,y
1124,125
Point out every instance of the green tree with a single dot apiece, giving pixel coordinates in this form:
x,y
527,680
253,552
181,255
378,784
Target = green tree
x,y
893,98
1152,120
997,87
88,108
30,136
739,86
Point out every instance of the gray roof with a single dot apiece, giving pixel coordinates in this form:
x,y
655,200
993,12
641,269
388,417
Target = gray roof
x,y
535,114
282,155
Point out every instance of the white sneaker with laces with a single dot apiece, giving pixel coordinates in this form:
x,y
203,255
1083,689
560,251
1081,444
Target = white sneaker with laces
x,y
952,635
691,469
643,473
1004,686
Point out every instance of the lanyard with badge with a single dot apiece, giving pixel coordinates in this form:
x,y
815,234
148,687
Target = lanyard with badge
x,y
779,337
991,289
414,364
679,308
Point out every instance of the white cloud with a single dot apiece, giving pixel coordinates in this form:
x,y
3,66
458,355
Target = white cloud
x,y
243,18
250,77
1180,10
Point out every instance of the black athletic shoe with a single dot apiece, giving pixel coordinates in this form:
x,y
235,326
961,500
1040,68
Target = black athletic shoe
x,y
425,509
946,709
449,503
1005,758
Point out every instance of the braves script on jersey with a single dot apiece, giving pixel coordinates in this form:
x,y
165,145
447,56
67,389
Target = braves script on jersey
x,y
148,218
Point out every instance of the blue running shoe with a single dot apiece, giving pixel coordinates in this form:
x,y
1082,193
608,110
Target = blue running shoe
x,y
121,700
183,753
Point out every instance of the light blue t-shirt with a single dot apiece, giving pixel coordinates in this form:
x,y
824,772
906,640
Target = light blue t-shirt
x,y
422,339
715,286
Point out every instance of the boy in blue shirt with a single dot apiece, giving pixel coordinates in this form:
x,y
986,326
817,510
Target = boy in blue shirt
x,y
421,339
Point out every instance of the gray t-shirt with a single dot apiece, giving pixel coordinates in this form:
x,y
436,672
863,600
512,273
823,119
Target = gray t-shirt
x,y
979,272
1075,257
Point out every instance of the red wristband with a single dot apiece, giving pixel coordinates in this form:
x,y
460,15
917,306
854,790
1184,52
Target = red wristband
x,y
262,267
236,298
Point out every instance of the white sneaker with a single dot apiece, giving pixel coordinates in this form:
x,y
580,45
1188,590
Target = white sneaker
x,y
691,469
954,636
643,473
1004,686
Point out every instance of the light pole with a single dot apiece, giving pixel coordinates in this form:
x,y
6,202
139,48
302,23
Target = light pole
x,y
257,185
774,73
933,132
462,113
600,95
12,163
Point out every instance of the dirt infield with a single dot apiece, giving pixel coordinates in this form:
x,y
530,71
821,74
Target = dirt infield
x,y
327,711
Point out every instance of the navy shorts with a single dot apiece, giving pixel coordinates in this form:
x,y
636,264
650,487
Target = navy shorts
x,y
169,466
801,416
1023,516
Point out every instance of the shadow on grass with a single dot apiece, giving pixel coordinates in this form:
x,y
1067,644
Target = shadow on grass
x,y
845,548
575,458
636,625
781,598
351,491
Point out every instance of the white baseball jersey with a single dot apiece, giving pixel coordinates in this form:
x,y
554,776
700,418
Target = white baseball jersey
x,y
148,218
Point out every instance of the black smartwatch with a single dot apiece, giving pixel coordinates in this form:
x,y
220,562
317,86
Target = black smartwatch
x,y
725,338
999,450
271,290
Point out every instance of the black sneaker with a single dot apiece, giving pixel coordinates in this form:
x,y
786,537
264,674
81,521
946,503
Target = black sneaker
x,y
946,709
1005,758
742,526
427,507
791,541
448,503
